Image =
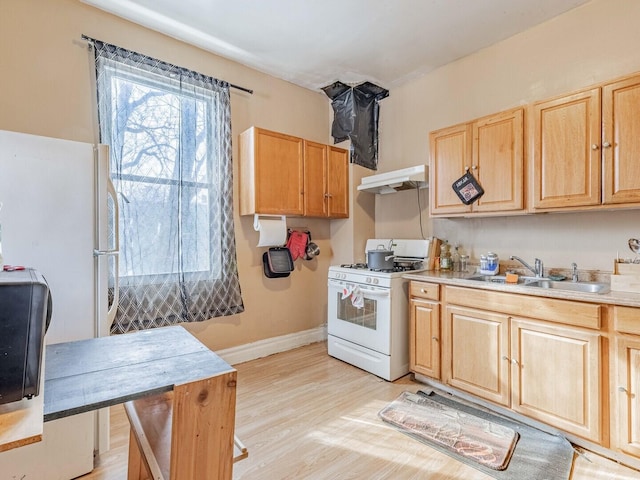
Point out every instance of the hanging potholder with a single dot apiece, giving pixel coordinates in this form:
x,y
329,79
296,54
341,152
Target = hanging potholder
x,y
467,188
297,243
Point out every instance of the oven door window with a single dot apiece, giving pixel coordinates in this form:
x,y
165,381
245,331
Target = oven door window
x,y
363,317
368,326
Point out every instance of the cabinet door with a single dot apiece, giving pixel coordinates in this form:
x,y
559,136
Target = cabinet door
x,y
315,179
477,346
338,182
424,334
450,157
556,376
498,161
278,173
566,158
621,141
626,395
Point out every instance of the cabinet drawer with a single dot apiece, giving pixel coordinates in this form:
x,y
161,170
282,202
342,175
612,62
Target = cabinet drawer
x,y
430,291
626,319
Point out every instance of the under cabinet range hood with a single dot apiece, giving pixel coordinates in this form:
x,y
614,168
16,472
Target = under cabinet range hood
x,y
390,182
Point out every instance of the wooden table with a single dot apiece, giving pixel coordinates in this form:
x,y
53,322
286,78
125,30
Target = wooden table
x,y
91,374
99,372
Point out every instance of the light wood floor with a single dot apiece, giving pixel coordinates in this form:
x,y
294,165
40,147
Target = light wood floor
x,y
305,415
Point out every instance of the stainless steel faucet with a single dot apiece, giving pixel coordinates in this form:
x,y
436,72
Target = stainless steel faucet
x,y
538,269
574,272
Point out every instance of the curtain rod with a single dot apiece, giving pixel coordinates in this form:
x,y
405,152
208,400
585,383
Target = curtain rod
x,y
231,85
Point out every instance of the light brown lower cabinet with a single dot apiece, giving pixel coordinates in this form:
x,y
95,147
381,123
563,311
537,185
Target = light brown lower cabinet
x,y
424,329
543,367
556,376
477,343
625,385
572,365
626,395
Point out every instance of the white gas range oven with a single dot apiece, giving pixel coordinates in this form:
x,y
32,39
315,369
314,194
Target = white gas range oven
x,y
368,312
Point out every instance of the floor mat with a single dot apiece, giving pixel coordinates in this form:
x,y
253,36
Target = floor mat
x,y
537,455
475,438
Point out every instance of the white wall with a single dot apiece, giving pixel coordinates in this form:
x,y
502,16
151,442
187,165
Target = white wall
x,y
593,43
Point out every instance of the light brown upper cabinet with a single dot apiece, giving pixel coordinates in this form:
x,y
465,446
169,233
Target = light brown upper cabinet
x,y
286,175
271,173
492,149
586,147
450,155
621,141
326,181
566,158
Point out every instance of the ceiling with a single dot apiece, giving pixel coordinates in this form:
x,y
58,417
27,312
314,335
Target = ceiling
x,y
313,44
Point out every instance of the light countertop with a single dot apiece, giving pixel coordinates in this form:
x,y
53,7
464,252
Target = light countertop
x,y
458,279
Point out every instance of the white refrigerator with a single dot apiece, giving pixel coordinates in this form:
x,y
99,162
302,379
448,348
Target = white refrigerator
x,y
57,211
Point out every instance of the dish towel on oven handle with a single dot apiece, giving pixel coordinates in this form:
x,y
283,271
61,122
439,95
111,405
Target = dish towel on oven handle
x,y
353,291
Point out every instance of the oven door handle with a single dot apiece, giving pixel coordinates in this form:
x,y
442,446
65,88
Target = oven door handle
x,y
378,292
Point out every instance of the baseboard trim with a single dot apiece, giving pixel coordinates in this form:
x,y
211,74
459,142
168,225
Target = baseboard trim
x,y
269,346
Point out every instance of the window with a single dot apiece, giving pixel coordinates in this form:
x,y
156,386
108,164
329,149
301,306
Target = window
x,y
170,145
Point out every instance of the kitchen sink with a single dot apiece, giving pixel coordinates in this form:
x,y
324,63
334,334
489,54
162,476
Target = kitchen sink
x,y
522,280
536,282
585,287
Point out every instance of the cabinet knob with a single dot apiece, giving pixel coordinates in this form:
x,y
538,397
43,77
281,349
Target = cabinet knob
x,y
515,362
594,147
475,167
504,357
422,290
606,145
434,338
466,168
623,390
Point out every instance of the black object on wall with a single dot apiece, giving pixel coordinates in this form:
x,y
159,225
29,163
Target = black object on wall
x,y
355,116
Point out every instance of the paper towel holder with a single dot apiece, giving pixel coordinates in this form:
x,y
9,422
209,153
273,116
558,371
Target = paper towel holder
x,y
269,234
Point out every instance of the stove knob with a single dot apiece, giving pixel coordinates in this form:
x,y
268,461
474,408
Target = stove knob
x,y
344,276
368,279
375,281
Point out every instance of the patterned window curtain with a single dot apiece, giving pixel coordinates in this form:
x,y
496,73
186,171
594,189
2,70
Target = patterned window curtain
x,y
169,132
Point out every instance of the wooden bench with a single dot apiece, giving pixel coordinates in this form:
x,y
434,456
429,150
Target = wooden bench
x,y
183,434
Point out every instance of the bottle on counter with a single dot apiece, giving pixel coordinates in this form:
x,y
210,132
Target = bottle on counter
x,y
483,263
492,263
489,264
455,259
464,263
445,256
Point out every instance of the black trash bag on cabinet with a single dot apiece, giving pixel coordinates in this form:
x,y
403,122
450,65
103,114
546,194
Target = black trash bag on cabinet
x,y
356,113
341,96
